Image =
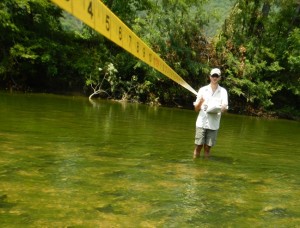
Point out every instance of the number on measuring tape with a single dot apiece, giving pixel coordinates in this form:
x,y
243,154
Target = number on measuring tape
x,y
90,9
120,33
99,17
129,40
107,22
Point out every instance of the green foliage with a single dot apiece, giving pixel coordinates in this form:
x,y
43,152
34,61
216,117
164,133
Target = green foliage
x,y
259,49
217,12
19,51
174,29
292,56
95,81
27,49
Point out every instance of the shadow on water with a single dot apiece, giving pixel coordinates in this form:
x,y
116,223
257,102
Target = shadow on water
x,y
111,209
217,158
222,159
5,204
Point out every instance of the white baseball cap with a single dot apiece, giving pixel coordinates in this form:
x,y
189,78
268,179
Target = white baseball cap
x,y
215,71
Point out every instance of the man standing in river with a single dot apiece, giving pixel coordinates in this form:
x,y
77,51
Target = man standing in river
x,y
211,101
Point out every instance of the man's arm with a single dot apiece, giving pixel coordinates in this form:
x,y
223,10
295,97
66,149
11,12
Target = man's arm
x,y
224,101
198,104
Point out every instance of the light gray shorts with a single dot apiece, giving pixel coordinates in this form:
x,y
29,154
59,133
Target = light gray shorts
x,y
205,136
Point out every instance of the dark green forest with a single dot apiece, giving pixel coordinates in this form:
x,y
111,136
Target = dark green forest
x,y
255,43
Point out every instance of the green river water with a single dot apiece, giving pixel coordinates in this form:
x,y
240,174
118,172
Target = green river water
x,y
66,162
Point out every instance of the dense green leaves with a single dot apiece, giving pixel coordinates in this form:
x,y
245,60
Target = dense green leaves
x,y
259,48
43,48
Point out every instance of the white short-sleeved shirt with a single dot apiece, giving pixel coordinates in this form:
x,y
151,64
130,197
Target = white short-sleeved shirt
x,y
220,97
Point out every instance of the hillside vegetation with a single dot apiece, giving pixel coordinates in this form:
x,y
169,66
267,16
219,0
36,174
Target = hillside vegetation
x,y
217,11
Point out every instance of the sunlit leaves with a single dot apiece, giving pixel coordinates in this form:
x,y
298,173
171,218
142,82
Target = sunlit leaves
x,y
19,51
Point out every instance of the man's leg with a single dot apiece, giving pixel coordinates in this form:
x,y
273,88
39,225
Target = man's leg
x,y
206,150
199,141
197,151
211,138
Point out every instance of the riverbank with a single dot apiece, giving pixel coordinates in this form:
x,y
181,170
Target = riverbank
x,y
288,113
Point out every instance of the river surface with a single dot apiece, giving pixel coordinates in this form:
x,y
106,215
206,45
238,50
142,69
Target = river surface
x,y
66,162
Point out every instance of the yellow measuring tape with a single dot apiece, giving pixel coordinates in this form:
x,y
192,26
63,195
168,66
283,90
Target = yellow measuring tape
x,y
99,17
